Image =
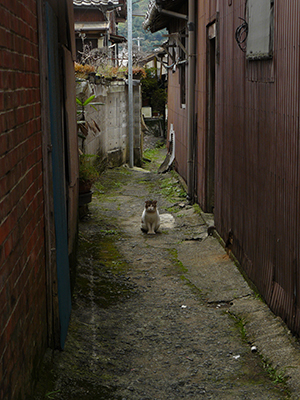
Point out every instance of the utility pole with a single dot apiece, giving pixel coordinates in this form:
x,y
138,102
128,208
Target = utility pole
x,y
138,39
130,86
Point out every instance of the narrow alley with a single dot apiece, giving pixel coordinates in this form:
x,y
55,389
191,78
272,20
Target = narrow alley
x,y
165,316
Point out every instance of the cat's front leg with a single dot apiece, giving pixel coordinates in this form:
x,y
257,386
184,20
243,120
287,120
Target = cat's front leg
x,y
144,227
151,229
157,225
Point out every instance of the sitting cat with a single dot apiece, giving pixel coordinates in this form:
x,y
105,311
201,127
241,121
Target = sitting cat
x,y
150,217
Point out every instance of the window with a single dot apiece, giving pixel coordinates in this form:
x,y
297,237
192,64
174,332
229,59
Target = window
x,y
260,29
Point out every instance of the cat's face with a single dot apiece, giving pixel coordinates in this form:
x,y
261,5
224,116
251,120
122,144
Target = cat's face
x,y
150,205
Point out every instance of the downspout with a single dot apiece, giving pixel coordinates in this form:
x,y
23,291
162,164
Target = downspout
x,y
191,97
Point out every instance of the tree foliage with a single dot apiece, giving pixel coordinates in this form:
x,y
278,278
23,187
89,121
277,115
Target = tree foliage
x,y
149,41
154,91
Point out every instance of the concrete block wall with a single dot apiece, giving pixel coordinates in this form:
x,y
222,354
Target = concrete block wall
x,y
23,325
116,116
137,107
112,118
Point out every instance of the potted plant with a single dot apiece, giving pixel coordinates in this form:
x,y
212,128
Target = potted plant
x,y
88,173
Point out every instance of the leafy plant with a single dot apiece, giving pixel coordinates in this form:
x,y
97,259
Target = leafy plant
x,y
278,377
86,102
51,395
153,91
83,125
87,171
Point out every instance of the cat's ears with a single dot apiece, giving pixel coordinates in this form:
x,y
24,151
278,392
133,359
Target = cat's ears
x,y
153,202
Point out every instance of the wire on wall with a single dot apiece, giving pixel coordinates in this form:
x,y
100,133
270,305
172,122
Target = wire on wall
x,y
241,34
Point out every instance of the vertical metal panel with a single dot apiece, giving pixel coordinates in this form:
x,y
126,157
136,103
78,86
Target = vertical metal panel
x,y
257,156
177,114
257,147
207,15
52,299
59,187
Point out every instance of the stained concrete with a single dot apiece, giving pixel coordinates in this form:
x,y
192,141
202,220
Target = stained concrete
x,y
165,316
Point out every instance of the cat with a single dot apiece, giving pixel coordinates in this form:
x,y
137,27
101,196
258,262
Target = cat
x,y
150,217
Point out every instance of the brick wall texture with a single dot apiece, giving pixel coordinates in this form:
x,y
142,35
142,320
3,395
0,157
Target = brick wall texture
x,y
23,325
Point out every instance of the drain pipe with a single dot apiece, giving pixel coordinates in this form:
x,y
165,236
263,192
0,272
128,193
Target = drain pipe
x,y
191,97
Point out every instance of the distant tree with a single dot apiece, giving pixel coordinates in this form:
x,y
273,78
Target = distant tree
x,y
154,91
94,56
150,41
137,55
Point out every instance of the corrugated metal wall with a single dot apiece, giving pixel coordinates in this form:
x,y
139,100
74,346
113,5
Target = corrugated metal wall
x,y
257,148
177,115
257,156
206,12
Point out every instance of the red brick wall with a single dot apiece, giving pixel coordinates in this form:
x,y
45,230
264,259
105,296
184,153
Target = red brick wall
x,y
23,326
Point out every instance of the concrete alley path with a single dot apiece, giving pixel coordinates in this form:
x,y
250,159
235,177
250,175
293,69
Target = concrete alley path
x,y
164,316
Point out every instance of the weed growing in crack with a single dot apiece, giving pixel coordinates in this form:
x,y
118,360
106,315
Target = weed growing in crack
x,y
178,263
108,232
197,209
276,376
171,189
240,324
259,297
151,154
173,209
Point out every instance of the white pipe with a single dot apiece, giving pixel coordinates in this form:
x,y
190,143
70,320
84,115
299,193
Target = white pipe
x,y
130,86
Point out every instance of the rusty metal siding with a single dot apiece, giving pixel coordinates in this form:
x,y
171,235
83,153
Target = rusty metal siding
x,y
257,157
210,9
178,117
257,147
206,13
176,114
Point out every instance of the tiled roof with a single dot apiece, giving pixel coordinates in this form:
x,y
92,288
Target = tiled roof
x,y
91,26
150,14
87,3
155,19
